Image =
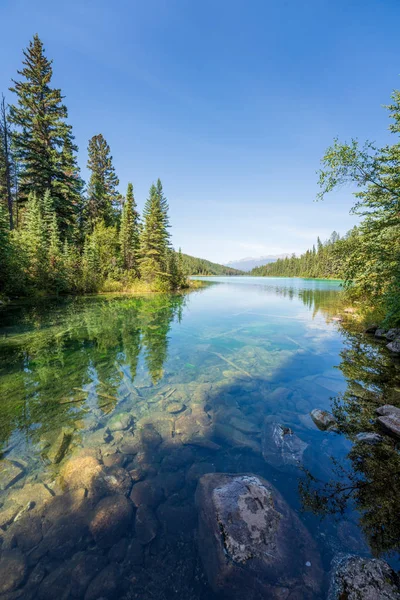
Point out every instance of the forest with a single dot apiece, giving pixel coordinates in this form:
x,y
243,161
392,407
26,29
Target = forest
x,y
57,234
367,258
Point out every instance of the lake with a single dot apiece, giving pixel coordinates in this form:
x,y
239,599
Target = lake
x,y
154,392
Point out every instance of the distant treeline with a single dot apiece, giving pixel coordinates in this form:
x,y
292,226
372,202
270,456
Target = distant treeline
x,y
325,260
200,266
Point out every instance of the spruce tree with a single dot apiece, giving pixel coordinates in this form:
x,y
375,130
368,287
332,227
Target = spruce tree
x,y
103,198
35,243
7,164
129,233
154,239
43,139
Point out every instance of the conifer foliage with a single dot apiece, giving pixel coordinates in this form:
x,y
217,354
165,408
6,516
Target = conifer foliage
x,y
43,139
64,240
103,198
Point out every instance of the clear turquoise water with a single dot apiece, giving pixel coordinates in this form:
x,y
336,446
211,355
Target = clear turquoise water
x,y
239,352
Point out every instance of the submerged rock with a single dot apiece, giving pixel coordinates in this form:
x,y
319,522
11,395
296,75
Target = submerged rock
x,y
146,524
60,445
111,519
120,422
175,407
323,419
13,570
10,472
356,578
251,543
281,447
81,472
236,438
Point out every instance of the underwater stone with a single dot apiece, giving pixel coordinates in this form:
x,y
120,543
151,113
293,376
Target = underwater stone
x,y
10,472
81,472
147,492
251,543
354,578
150,437
146,524
120,422
111,519
323,419
13,570
235,438
281,447
87,566
60,446
114,480
244,425
105,584
175,408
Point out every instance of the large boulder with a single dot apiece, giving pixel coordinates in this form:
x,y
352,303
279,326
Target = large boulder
x,y
281,448
356,578
251,542
13,570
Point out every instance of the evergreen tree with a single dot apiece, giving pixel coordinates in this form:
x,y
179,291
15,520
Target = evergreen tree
x,y
7,164
56,267
5,250
154,239
43,139
35,242
129,233
103,198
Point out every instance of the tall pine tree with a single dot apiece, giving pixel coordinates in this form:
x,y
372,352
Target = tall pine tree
x,y
43,139
103,198
154,239
129,233
7,164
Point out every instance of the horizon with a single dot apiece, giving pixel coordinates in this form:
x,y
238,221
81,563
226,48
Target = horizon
x,y
233,113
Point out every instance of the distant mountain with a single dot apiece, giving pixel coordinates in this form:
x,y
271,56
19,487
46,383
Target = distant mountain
x,y
201,266
249,263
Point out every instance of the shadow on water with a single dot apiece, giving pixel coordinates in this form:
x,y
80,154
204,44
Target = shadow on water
x,y
105,442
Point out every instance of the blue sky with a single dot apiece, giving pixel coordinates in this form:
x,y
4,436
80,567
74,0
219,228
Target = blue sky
x,y
230,102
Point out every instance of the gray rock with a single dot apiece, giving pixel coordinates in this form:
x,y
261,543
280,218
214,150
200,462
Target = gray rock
x,y
60,445
369,438
13,570
388,409
394,346
251,543
390,424
323,419
146,524
392,334
380,333
356,578
111,519
281,447
10,472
